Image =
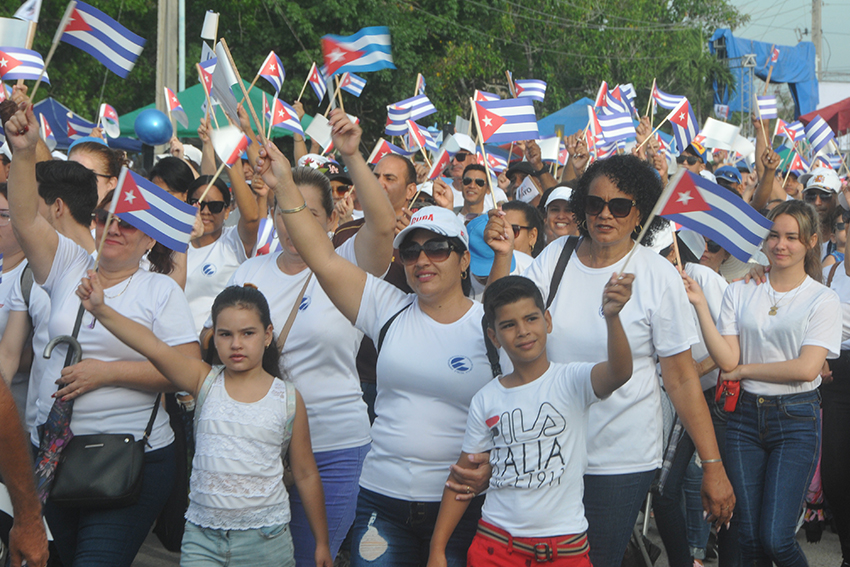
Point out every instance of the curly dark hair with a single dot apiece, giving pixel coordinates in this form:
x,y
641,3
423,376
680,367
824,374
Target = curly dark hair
x,y
634,177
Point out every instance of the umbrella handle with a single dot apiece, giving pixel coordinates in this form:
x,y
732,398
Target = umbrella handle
x,y
73,345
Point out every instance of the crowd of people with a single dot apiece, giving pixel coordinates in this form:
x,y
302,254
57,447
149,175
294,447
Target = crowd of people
x,y
474,370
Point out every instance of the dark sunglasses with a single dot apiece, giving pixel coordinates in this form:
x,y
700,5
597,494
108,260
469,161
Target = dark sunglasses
x,y
469,180
813,195
342,189
461,156
619,208
101,215
712,246
214,207
690,160
436,250
518,228
840,226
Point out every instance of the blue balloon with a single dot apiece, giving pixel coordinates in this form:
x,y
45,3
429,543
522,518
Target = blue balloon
x,y
152,127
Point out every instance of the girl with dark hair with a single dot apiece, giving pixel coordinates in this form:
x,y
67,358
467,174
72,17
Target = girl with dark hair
x,y
105,162
238,510
527,225
774,339
172,174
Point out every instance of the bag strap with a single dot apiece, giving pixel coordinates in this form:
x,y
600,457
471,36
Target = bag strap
x,y
202,393
290,416
284,332
149,428
560,267
492,351
832,273
27,280
386,327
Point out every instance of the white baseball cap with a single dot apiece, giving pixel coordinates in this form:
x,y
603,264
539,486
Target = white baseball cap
x,y
464,142
559,193
437,220
823,178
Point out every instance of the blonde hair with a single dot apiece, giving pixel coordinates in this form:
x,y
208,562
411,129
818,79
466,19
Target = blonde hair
x,y
807,224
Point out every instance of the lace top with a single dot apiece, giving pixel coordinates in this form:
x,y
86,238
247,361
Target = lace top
x,y
237,472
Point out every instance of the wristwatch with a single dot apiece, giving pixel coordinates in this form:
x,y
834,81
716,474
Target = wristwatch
x,y
539,172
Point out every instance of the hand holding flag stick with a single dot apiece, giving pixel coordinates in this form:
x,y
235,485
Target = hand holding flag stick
x,y
651,134
483,151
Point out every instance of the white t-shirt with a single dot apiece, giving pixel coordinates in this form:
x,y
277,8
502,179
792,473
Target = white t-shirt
x,y
625,430
536,435
320,351
427,374
713,287
809,314
841,286
208,270
6,283
488,198
153,300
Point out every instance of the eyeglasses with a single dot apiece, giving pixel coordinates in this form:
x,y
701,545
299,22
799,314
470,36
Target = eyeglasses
x,y
712,246
214,207
469,180
435,249
101,215
518,228
813,195
5,217
690,160
342,189
619,208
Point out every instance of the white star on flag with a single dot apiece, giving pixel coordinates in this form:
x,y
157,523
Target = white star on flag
x,y
488,121
682,116
3,62
684,197
281,113
336,55
129,196
271,67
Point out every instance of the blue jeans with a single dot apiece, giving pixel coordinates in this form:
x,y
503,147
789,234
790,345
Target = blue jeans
x,y
698,528
270,546
728,550
772,448
388,532
340,473
611,505
668,508
112,538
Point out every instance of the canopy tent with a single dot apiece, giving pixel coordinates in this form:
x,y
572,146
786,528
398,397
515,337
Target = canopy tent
x,y
836,115
192,99
56,115
573,118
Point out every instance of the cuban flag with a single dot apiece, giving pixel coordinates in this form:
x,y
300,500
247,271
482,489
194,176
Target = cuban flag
x,y
665,100
496,163
317,82
798,164
175,108
819,134
419,137
367,50
420,84
481,96
47,133
617,126
684,123
382,149
229,142
714,212
774,55
107,117
205,71
531,88
79,127
443,160
284,116
353,84
103,38
795,131
620,102
628,91
418,107
601,96
154,211
272,70
18,63
396,121
510,120
767,107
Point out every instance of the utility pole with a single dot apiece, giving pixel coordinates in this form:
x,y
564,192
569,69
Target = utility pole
x,y
816,37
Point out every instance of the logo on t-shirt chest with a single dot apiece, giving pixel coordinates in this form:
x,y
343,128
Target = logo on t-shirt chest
x,y
305,303
460,364
209,269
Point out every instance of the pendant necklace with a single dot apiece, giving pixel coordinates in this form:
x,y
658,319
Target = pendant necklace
x,y
775,307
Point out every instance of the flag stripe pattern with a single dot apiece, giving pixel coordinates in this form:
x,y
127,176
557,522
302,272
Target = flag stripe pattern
x,y
517,118
284,116
317,82
369,49
665,100
819,134
617,126
767,107
177,110
79,127
484,95
272,70
531,88
103,38
353,84
684,123
418,106
19,63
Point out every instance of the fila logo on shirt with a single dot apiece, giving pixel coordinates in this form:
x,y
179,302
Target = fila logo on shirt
x,y
460,364
209,269
305,303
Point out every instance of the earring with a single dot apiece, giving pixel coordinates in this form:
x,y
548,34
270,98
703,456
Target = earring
x,y
464,275
582,224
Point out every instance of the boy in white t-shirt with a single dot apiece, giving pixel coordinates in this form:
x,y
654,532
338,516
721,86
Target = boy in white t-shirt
x,y
533,422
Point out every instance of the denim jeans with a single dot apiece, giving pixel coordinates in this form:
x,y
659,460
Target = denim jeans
x,y
728,550
270,546
667,506
835,462
698,528
611,505
389,532
340,473
772,444
112,538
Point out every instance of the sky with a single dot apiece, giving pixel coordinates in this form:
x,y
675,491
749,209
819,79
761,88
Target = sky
x,y
783,22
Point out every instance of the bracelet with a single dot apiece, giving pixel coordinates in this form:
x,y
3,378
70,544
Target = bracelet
x,y
295,210
539,172
704,461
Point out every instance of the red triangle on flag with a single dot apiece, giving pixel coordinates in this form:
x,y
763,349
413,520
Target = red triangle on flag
x,y
336,56
685,198
131,198
440,164
518,89
7,63
488,122
77,23
681,115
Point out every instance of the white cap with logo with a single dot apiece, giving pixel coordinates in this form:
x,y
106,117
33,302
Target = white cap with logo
x,y
437,220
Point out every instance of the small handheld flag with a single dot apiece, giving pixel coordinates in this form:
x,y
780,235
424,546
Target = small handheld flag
x,y
617,126
79,127
509,120
175,108
318,82
767,107
418,107
684,123
47,133
19,63
353,84
229,142
284,116
531,88
819,134
383,148
664,100
420,84
272,70
440,164
774,55
108,119
366,50
29,11
484,95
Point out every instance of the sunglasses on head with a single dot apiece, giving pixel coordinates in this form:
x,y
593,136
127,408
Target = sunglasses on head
x,y
469,181
618,207
712,246
100,216
813,195
437,250
214,207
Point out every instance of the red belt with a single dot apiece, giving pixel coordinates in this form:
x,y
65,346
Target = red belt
x,y
542,549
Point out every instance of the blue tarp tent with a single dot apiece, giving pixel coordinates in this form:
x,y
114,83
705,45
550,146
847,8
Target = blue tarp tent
x,y
56,115
573,118
795,66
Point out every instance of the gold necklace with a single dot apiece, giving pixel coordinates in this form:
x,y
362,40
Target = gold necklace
x,y
130,279
775,307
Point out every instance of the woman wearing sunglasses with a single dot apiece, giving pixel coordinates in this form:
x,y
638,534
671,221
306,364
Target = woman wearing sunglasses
x,y
214,256
113,388
611,204
431,361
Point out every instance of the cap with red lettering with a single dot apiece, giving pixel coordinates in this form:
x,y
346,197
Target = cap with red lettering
x,y
437,220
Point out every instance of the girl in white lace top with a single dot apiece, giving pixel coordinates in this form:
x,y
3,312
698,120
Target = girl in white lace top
x,y
239,508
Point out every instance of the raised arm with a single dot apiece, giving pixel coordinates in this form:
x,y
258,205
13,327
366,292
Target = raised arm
x,y
207,150
299,145
500,238
607,376
373,244
37,238
765,188
340,279
185,372
249,210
